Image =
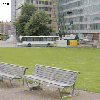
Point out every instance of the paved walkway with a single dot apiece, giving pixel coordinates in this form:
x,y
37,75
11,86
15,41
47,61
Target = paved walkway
x,y
11,42
20,92
7,44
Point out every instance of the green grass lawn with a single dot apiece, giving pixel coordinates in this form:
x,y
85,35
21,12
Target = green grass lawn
x,y
84,59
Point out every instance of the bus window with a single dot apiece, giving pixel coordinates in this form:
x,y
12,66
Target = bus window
x,y
36,39
45,39
19,40
32,38
29,39
41,39
49,38
23,39
53,38
56,38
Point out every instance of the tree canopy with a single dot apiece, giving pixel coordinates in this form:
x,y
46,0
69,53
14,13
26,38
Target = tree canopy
x,y
32,21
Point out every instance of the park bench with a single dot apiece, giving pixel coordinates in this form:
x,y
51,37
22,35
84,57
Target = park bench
x,y
11,71
55,76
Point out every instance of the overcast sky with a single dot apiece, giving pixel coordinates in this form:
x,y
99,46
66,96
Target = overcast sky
x,y
5,10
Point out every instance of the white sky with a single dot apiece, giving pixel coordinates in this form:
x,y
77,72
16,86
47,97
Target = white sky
x,y
5,10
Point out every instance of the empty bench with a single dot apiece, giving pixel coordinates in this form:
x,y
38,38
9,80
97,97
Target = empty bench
x,y
55,76
11,71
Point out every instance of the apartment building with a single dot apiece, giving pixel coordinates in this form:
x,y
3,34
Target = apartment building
x,y
47,5
5,27
81,17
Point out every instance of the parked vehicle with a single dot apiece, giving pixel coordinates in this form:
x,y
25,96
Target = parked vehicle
x,y
29,41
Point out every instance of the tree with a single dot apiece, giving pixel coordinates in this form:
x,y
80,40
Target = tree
x,y
37,24
32,21
26,12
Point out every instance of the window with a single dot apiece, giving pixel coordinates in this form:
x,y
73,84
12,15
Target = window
x,y
36,2
29,39
81,11
23,39
36,39
91,26
43,7
81,18
46,8
50,9
39,2
46,2
32,1
42,2
49,39
50,3
41,39
27,1
94,26
39,8
45,39
98,26
78,3
81,26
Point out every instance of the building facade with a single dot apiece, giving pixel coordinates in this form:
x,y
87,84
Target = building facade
x,y
13,16
79,16
47,5
5,27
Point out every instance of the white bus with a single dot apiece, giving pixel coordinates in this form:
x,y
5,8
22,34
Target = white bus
x,y
29,41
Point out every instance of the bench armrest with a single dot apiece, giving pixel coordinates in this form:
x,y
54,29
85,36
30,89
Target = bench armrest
x,y
79,72
25,70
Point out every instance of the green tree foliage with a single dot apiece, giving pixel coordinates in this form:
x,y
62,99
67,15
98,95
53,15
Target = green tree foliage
x,y
26,12
37,24
28,9
32,21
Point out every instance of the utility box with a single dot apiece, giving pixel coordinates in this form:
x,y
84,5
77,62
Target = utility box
x,y
61,43
73,42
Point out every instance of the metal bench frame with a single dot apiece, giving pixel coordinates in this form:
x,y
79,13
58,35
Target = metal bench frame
x,y
11,71
55,76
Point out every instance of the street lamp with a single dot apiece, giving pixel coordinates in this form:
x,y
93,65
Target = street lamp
x,y
60,32
71,22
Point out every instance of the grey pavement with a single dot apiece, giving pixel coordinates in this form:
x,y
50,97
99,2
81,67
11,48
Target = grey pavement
x,y
20,92
11,42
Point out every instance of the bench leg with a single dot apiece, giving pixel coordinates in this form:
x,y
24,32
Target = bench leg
x,y
23,81
60,92
2,79
4,82
73,89
11,83
26,82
